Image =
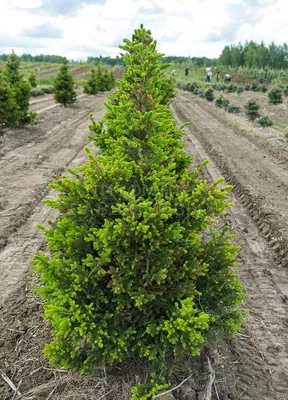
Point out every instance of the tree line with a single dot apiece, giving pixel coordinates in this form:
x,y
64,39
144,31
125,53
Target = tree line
x,y
253,55
250,54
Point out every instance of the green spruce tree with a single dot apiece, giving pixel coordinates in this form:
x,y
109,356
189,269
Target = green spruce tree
x,y
252,110
32,78
63,87
108,82
100,80
136,264
20,87
91,86
112,80
9,110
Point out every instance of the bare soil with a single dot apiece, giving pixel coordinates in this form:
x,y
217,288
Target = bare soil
x,y
29,158
254,365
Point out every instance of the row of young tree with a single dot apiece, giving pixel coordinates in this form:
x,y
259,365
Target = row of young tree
x,y
255,55
15,90
136,266
15,93
99,81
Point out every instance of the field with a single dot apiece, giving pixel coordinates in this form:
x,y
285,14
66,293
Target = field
x,y
254,366
48,71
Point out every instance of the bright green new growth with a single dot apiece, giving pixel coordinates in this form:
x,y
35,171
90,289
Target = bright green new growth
x,y
91,86
136,267
63,87
32,78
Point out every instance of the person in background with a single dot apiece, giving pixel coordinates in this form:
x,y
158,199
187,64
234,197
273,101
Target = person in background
x,y
207,77
186,71
173,72
227,78
217,76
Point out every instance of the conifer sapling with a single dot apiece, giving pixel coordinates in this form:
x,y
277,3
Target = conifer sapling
x,y
63,87
32,78
137,266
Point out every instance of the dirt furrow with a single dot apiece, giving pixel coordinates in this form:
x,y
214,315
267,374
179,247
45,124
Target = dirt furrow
x,y
24,183
259,180
254,365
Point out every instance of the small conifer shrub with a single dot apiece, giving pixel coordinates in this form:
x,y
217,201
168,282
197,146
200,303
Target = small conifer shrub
x,y
91,86
240,90
19,89
9,110
136,267
264,89
100,80
222,102
275,95
63,87
209,94
252,110
233,109
254,86
265,121
32,78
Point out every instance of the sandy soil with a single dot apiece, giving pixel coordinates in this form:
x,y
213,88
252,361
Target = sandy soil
x,y
29,158
255,365
251,367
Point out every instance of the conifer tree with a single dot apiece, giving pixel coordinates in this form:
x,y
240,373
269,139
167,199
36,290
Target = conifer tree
x,y
100,80
91,86
9,111
252,110
106,80
63,87
32,78
275,95
112,80
136,266
20,87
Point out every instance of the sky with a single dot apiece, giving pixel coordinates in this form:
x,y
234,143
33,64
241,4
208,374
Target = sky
x,y
81,28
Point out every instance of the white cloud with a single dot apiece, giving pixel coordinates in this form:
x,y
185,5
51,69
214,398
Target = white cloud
x,y
183,27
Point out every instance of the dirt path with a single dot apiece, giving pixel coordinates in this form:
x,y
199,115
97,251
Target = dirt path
x,y
27,167
259,177
46,102
255,365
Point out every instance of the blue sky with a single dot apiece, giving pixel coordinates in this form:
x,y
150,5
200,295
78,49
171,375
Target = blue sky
x,y
79,28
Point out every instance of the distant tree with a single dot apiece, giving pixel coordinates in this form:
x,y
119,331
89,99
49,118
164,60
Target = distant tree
x,y
107,83
275,95
11,72
252,110
32,78
9,110
63,87
226,56
112,79
20,87
91,86
100,80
